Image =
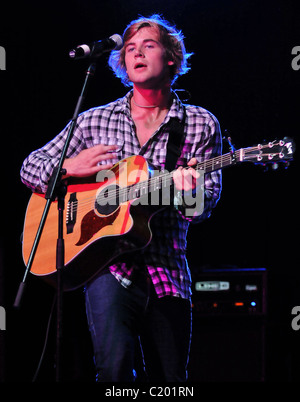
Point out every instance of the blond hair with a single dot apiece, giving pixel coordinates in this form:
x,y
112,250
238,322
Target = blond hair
x,y
170,38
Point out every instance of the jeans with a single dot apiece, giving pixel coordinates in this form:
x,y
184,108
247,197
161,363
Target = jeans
x,y
126,321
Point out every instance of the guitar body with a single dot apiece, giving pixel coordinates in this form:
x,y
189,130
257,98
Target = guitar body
x,y
95,232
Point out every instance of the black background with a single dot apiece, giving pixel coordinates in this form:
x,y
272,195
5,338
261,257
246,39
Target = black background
x,y
241,72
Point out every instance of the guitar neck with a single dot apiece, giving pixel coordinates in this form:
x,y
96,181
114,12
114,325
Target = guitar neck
x,y
219,162
275,151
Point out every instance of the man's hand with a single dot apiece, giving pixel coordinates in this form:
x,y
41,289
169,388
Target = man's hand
x,y
186,179
86,162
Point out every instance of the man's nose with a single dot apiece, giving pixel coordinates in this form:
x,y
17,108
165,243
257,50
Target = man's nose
x,y
138,52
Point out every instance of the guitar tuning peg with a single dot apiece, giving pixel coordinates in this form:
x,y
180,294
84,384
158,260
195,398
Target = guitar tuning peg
x,y
275,166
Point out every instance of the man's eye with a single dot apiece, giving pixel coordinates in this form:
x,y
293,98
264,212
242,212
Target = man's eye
x,y
130,49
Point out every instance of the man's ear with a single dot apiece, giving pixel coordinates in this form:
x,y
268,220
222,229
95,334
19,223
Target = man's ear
x,y
170,63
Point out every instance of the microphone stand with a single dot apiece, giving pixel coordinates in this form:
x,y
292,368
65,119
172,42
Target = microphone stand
x,y
57,190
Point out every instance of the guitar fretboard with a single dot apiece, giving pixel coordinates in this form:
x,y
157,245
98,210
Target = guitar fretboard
x,y
219,162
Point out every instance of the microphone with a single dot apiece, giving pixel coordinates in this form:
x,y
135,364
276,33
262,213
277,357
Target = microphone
x,y
96,49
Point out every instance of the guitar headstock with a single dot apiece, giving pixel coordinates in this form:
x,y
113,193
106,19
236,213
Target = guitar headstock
x,y
271,152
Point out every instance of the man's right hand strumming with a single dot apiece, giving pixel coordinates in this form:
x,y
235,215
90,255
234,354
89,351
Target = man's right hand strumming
x,y
86,163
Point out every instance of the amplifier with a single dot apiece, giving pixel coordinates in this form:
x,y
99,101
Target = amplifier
x,y
229,291
229,313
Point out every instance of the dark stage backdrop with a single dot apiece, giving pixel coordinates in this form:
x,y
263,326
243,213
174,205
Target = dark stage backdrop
x,y
242,72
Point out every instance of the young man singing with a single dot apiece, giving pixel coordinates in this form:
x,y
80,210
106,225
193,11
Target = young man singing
x,y
145,296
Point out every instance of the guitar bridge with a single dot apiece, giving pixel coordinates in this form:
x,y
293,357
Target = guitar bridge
x,y
71,214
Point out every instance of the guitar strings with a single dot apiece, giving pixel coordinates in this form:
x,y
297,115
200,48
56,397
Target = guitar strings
x,y
123,192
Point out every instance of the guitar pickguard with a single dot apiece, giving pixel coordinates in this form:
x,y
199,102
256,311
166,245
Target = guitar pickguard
x,y
92,223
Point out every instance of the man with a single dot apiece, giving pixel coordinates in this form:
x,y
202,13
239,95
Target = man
x,y
145,296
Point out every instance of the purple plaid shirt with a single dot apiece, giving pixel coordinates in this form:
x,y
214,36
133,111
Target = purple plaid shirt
x,y
165,256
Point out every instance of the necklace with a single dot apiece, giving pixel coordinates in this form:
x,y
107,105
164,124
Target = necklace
x,y
150,106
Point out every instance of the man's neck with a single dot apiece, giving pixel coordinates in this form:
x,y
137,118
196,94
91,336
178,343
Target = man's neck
x,y
152,98
148,110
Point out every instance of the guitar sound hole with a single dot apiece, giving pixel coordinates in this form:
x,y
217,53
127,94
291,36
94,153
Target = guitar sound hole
x,y
107,201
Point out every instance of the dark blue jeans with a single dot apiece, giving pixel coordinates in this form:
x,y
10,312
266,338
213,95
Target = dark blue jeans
x,y
124,320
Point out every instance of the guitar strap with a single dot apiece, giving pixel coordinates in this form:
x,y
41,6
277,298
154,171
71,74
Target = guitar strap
x,y
175,142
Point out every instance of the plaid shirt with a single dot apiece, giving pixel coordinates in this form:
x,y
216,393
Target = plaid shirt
x,y
165,256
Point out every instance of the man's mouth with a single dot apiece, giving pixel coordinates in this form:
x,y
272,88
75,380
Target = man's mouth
x,y
139,65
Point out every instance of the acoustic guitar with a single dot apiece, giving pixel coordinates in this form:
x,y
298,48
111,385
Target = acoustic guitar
x,y
111,217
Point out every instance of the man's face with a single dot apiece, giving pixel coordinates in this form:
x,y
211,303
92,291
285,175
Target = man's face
x,y
145,59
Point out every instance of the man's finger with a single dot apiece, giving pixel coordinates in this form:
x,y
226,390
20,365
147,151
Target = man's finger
x,y
192,162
